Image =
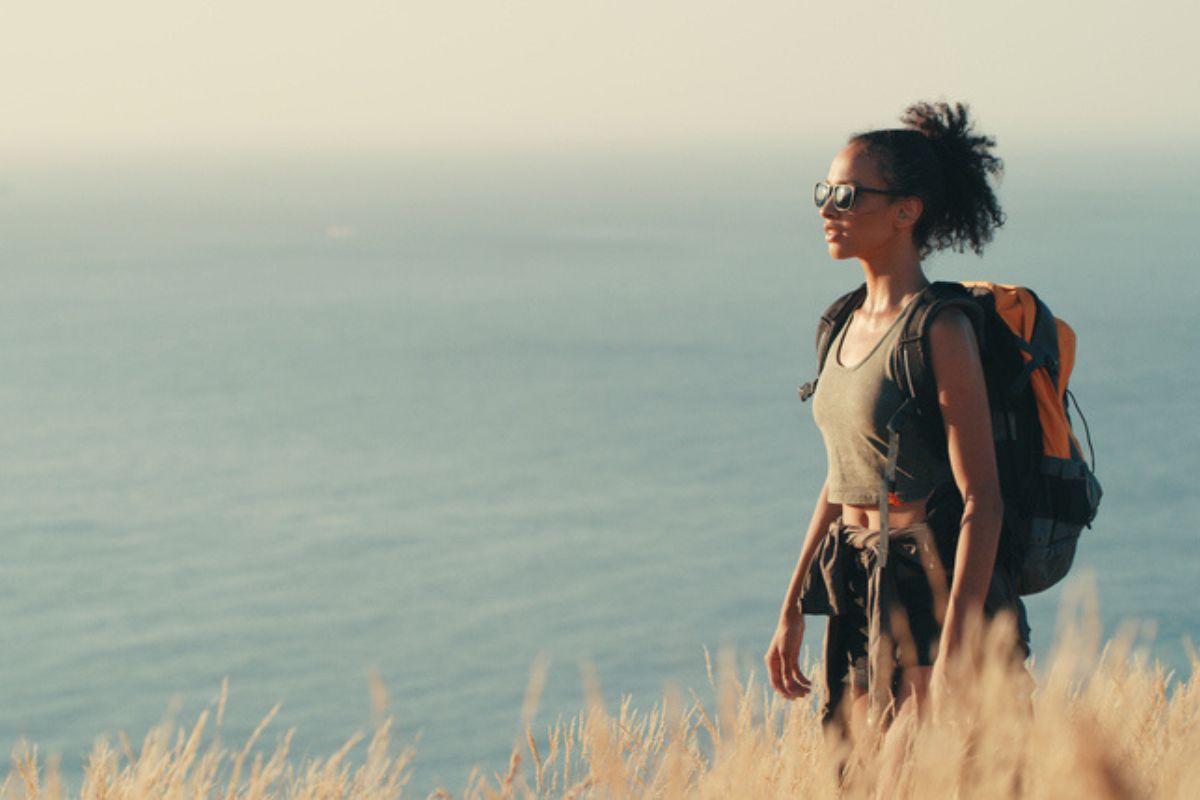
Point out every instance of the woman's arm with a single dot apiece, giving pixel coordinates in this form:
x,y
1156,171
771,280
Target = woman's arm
x,y
962,397
824,513
782,657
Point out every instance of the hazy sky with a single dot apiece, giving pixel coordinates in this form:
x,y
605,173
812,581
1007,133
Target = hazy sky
x,y
359,75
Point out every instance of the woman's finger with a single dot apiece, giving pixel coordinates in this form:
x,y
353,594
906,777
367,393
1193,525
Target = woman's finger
x,y
803,684
772,659
794,687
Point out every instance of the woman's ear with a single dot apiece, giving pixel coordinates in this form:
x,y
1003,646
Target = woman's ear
x,y
908,211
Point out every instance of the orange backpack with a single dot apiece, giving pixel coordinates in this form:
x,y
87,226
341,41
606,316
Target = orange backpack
x,y
1050,491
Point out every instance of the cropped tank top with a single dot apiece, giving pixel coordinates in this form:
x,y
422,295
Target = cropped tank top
x,y
852,407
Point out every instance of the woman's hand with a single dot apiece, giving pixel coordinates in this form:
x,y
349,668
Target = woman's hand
x,y
783,657
784,653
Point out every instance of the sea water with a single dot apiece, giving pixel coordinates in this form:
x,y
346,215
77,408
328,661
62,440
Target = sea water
x,y
297,421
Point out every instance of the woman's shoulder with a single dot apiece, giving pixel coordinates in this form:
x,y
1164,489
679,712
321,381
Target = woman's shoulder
x,y
950,324
954,351
951,315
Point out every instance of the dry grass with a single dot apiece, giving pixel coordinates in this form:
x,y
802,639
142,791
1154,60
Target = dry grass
x,y
1101,724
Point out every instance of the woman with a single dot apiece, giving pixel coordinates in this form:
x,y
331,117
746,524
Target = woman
x,y
891,198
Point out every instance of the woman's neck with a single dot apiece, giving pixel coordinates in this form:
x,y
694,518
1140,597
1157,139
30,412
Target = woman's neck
x,y
891,283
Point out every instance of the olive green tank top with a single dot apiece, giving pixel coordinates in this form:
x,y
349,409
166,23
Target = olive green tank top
x,y
852,406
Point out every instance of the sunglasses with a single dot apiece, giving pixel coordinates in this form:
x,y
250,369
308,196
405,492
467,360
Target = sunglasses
x,y
843,194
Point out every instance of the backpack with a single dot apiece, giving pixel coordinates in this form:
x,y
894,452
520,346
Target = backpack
x,y
1050,492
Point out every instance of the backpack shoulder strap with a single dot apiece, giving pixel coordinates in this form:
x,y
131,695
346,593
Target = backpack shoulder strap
x,y
910,360
832,321
911,363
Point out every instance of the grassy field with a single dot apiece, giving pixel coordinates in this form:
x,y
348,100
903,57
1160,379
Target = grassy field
x,y
1101,723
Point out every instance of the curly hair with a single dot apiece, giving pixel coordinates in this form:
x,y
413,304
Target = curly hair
x,y
940,159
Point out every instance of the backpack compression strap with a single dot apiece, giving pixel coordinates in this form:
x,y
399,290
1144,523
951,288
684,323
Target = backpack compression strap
x,y
1040,343
832,321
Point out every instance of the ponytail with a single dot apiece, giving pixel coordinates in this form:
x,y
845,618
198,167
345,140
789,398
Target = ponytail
x,y
940,159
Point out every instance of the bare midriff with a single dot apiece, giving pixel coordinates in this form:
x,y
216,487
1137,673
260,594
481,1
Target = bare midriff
x,y
899,516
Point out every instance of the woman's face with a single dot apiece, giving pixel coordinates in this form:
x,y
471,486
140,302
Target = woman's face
x,y
870,226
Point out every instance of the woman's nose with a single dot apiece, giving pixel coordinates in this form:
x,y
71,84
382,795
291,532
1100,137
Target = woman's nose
x,y
827,211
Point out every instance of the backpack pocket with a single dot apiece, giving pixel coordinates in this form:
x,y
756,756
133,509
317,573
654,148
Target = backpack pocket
x,y
1068,501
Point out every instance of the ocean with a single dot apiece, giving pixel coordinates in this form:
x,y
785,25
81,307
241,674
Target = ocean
x,y
295,421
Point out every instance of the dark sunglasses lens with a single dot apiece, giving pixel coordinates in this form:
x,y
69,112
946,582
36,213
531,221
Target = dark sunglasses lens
x,y
843,197
820,194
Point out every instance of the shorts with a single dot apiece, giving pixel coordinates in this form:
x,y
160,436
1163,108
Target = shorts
x,y
915,624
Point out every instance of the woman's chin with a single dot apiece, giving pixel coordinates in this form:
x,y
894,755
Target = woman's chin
x,y
838,251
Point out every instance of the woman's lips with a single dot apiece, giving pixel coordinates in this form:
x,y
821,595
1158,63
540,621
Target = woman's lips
x,y
832,233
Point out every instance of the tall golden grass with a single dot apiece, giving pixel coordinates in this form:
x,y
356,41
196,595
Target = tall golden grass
x,y
1102,723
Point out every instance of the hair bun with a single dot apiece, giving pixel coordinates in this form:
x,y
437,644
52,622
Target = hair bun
x,y
949,128
970,209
